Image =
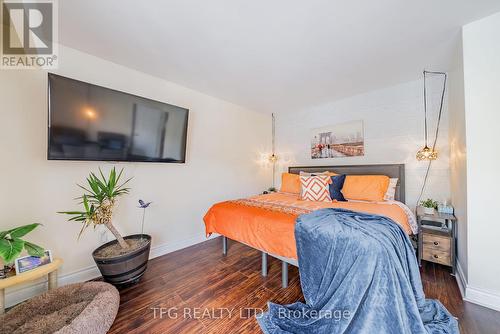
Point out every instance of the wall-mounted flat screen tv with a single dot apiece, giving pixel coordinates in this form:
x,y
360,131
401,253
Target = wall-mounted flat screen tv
x,y
89,122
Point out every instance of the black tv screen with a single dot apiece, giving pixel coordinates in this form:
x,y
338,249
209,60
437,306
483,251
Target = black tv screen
x,y
89,122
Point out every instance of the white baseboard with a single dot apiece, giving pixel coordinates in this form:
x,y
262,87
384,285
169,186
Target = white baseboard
x,y
475,295
163,249
14,296
482,297
461,281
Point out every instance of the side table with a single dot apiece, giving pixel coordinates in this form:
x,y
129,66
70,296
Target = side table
x,y
28,276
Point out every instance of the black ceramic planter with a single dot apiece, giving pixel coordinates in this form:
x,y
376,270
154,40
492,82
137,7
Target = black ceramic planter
x,y
126,268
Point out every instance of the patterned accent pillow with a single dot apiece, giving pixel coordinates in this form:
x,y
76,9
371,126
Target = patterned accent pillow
x,y
391,190
315,188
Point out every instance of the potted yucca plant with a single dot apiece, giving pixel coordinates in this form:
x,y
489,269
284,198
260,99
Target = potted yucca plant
x,y
123,260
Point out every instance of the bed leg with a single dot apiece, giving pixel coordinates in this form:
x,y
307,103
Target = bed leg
x,y
224,245
264,264
284,274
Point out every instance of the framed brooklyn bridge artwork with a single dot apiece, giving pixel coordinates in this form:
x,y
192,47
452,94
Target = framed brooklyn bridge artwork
x,y
339,140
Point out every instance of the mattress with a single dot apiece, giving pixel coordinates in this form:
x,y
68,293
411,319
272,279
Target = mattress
x,y
267,222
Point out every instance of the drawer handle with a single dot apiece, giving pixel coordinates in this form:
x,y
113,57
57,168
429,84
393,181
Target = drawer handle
x,y
436,243
435,256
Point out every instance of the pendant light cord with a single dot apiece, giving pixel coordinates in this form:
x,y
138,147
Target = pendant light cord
x,y
440,110
273,148
425,108
437,126
273,132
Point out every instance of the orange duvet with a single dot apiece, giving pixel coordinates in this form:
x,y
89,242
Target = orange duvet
x,y
267,222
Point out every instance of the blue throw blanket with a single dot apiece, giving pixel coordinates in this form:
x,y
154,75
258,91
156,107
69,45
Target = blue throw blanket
x,y
358,274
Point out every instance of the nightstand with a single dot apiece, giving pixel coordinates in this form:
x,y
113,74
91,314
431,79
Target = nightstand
x,y
437,238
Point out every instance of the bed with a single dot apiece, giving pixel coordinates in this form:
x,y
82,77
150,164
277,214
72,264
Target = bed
x,y
266,222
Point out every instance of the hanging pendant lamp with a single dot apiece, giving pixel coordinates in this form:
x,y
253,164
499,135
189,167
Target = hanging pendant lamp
x,y
429,153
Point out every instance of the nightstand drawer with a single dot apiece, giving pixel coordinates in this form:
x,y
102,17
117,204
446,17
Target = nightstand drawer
x,y
436,256
436,242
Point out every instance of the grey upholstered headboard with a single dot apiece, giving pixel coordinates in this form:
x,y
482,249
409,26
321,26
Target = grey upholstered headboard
x,y
391,170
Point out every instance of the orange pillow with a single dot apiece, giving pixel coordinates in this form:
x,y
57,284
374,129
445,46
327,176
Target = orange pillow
x,y
290,183
365,187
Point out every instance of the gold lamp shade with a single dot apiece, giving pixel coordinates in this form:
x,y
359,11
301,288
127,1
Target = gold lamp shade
x,y
427,154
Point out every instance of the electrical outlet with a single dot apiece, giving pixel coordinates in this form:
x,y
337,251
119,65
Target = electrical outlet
x,y
103,236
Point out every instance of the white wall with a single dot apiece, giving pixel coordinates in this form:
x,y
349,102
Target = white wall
x,y
224,145
458,159
482,116
393,126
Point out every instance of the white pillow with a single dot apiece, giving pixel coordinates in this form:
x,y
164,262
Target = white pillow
x,y
391,190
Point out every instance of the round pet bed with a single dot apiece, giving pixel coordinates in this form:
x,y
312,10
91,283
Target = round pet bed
x,y
88,308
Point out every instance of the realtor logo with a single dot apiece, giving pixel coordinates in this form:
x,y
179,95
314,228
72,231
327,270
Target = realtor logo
x,y
28,34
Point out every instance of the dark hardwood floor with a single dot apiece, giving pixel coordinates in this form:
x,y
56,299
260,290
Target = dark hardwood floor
x,y
188,290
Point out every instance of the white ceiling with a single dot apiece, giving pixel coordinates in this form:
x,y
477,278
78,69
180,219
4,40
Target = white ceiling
x,y
273,55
